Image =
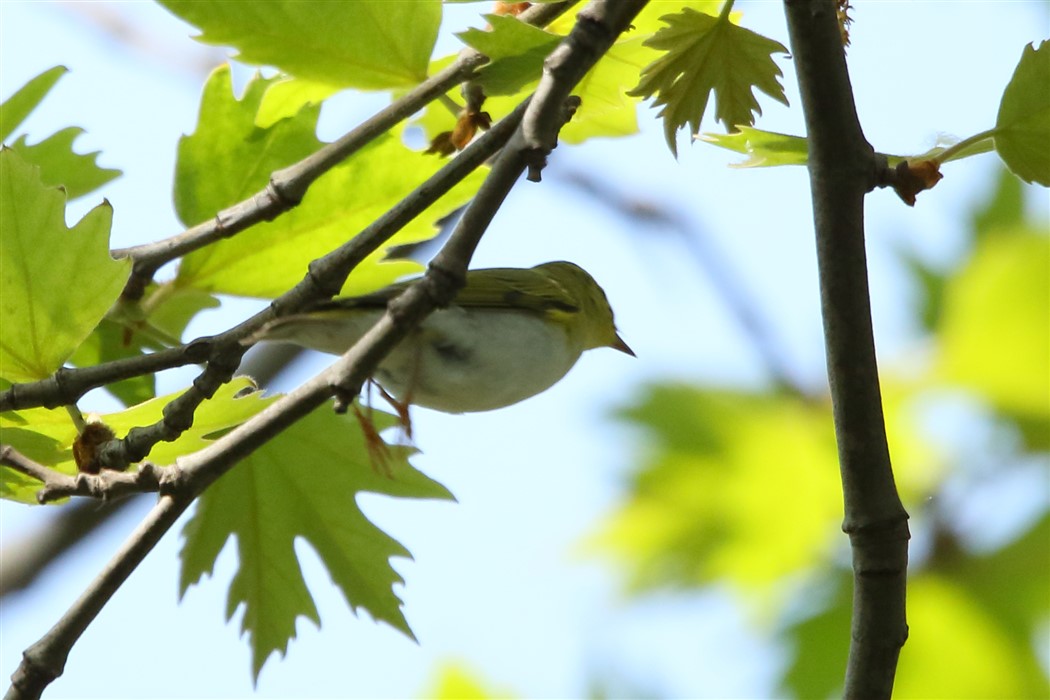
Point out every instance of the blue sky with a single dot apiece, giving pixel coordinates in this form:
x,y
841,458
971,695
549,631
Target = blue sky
x,y
498,579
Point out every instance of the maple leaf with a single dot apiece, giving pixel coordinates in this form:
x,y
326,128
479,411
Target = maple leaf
x,y
705,53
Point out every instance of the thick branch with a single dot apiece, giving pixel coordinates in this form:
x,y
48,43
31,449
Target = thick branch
x,y
842,168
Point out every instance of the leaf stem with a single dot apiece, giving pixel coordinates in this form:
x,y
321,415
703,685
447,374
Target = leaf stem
x,y
958,150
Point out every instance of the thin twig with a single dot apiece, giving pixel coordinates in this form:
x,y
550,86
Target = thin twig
x,y
843,169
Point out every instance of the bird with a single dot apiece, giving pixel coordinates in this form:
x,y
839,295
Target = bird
x,y
509,334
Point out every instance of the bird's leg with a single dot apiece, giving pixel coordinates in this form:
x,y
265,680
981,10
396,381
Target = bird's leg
x,y
401,407
378,454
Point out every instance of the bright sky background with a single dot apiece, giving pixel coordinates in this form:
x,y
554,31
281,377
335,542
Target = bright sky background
x,y
498,579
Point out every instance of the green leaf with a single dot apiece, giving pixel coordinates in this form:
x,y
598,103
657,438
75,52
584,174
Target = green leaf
x,y
1005,208
302,485
960,645
60,166
18,106
457,682
763,148
1022,129
705,54
286,97
369,44
229,158
958,648
56,283
819,644
724,473
994,334
769,148
47,435
516,51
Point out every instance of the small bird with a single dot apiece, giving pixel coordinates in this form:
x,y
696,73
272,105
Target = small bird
x,y
509,334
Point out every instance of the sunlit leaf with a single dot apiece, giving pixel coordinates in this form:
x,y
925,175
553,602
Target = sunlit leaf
x,y
1022,129
515,50
77,173
18,106
705,54
56,283
994,334
958,648
456,682
371,44
302,486
763,148
230,158
725,475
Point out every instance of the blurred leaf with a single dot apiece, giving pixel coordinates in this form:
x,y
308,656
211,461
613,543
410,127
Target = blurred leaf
x,y
456,682
1022,129
1004,210
958,648
515,50
56,283
725,474
995,338
1010,582
303,484
706,54
18,106
77,173
47,435
819,644
369,44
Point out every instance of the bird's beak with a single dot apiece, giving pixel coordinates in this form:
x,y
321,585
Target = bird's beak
x,y
622,346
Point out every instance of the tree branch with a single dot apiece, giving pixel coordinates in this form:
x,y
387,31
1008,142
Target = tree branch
x,y
285,189
44,661
843,169
324,279
288,186
34,552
